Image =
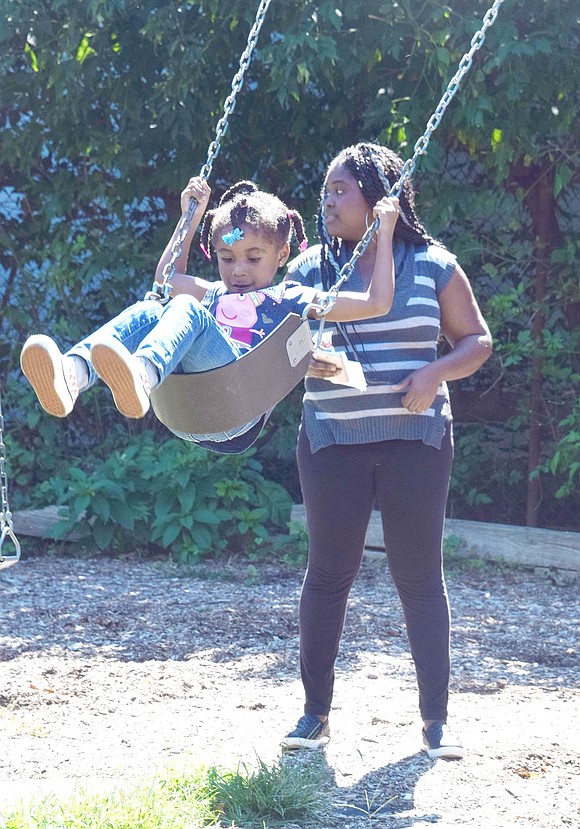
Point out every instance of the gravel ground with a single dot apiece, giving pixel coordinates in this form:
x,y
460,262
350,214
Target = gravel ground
x,y
112,671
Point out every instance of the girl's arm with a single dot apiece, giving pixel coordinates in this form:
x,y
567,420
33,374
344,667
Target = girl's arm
x,y
181,283
466,331
377,300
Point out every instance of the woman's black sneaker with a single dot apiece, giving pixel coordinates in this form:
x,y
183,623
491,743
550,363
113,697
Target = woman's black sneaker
x,y
309,732
438,741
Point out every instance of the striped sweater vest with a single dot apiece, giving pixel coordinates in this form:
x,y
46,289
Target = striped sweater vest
x,y
389,349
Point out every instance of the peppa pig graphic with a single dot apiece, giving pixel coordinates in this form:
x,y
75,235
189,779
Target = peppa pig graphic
x,y
237,314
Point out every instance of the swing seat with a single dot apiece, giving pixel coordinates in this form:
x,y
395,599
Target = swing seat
x,y
227,397
12,556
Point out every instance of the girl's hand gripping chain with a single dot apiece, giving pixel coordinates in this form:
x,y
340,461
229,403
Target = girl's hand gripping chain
x,y
197,188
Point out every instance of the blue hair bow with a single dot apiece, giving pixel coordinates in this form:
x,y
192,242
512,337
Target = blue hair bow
x,y
235,235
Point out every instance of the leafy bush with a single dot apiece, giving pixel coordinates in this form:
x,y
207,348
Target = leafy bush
x,y
566,457
172,496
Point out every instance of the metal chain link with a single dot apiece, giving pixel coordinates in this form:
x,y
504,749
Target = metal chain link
x,y
161,290
419,149
6,526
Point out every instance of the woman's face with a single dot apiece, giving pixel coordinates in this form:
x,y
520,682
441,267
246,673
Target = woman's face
x,y
346,211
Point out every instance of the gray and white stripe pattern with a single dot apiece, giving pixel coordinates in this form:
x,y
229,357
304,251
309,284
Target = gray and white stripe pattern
x,y
389,349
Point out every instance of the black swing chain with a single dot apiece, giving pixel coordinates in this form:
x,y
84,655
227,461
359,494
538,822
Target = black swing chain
x,y
408,169
161,290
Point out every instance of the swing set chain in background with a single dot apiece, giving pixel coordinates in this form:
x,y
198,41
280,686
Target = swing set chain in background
x,y
161,290
6,527
419,149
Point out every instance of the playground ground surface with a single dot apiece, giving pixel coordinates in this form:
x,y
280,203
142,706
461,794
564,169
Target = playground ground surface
x,y
113,671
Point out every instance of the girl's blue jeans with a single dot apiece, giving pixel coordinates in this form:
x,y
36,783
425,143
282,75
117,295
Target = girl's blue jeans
x,y
180,337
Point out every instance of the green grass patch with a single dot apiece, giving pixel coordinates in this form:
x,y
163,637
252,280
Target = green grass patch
x,y
270,796
267,796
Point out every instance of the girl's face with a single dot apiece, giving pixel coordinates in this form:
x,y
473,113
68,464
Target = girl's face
x,y
346,211
248,264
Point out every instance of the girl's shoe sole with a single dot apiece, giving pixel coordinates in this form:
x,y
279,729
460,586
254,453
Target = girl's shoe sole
x,y
41,363
111,364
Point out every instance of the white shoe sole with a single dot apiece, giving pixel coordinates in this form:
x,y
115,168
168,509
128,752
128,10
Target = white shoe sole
x,y
120,371
296,743
41,363
445,752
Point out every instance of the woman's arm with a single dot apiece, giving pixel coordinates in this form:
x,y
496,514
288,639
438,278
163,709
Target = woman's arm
x,y
464,328
466,331
377,300
181,283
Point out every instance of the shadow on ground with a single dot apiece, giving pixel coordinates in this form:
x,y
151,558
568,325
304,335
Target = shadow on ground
x,y
384,797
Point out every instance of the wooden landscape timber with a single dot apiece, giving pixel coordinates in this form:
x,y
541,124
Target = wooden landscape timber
x,y
528,546
38,523
496,542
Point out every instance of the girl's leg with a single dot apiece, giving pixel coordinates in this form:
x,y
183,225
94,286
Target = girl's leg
x,y
187,338
57,379
338,490
130,327
412,485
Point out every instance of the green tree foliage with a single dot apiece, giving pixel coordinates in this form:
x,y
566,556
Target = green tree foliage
x,y
109,105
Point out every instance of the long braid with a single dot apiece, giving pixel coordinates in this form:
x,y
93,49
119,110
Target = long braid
x,y
297,223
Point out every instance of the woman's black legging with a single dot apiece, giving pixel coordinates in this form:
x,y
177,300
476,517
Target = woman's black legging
x,y
409,481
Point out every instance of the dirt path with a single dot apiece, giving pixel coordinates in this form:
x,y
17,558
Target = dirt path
x,y
111,671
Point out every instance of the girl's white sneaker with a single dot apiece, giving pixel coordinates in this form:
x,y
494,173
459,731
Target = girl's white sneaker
x,y
53,376
124,374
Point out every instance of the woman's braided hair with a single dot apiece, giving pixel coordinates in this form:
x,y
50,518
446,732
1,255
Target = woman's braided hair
x,y
376,168
244,204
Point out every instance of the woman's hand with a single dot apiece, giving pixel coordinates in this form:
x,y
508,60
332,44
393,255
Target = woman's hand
x,y
198,189
387,211
420,389
466,331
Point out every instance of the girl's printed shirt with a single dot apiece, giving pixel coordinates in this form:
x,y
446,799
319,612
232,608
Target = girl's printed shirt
x,y
389,349
249,318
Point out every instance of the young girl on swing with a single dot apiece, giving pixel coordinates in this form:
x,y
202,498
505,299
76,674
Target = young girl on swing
x,y
206,324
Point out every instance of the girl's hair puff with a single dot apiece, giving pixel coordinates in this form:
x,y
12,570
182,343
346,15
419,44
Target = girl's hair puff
x,y
244,204
376,168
